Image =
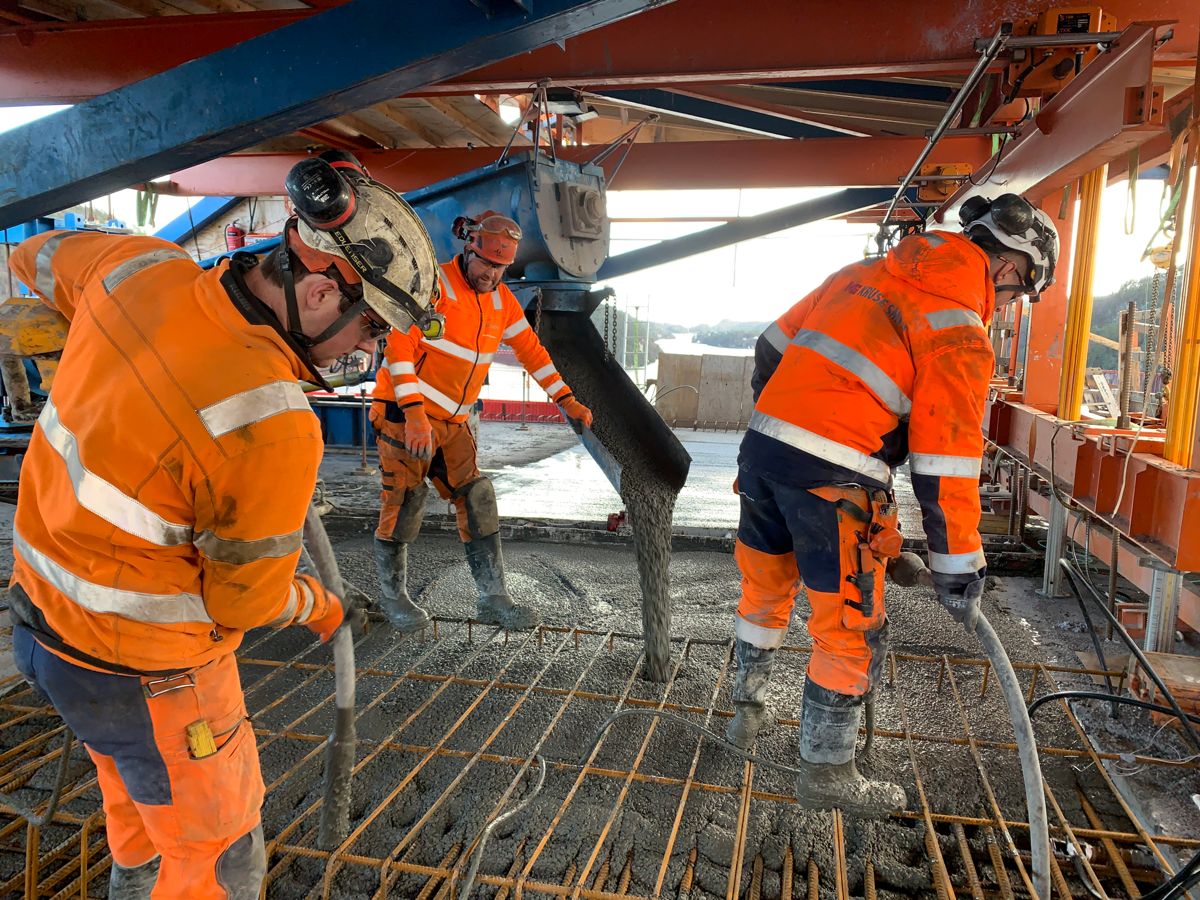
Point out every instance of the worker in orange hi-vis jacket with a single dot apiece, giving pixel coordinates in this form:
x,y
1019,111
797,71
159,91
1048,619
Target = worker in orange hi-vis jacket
x,y
888,359
422,399
162,499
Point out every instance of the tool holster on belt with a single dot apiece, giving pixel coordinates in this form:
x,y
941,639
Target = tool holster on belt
x,y
876,529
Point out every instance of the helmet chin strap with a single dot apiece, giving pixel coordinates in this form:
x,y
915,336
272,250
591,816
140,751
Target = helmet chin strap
x,y
294,327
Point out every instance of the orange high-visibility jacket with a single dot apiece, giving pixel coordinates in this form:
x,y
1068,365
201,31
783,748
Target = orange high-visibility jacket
x,y
887,359
448,372
162,497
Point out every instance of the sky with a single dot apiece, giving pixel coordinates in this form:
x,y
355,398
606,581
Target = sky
x,y
756,280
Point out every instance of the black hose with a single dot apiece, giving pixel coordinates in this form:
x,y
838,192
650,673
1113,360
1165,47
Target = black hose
x,y
60,780
1075,579
1107,698
1189,875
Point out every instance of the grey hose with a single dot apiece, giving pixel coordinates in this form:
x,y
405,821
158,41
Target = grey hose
x,y
1031,767
477,856
339,750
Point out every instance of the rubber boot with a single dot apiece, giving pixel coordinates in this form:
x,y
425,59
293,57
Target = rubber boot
x,y
749,693
391,562
135,883
829,779
495,606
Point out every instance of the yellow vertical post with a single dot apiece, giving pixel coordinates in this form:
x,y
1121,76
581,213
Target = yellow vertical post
x,y
1185,386
1079,303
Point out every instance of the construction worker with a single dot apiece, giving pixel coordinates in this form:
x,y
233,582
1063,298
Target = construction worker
x,y
423,397
161,503
888,359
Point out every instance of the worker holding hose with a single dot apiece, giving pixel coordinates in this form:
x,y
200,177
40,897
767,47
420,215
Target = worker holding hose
x,y
162,498
423,396
888,359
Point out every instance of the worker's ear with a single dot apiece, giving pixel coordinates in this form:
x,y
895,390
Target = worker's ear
x,y
317,291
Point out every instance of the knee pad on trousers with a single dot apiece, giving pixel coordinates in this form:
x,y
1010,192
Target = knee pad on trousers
x,y
243,865
412,511
479,500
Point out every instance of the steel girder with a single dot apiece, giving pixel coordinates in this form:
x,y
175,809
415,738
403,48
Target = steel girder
x,y
341,60
828,162
694,41
717,113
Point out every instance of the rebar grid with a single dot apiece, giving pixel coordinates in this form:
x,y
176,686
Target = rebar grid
x,y
428,696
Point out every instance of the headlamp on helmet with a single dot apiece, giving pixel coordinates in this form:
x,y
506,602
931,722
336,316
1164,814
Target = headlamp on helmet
x,y
1013,222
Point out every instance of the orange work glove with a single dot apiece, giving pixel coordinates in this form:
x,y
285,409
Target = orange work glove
x,y
577,414
418,433
326,625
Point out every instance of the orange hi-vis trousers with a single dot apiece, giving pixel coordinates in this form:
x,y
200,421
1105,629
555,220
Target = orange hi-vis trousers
x,y
452,469
201,815
837,538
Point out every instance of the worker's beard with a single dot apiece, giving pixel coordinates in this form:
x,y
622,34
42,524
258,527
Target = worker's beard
x,y
485,284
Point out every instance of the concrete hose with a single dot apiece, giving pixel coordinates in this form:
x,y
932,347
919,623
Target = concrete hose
x,y
339,749
1031,768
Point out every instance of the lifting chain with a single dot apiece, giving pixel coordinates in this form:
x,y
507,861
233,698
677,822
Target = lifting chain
x,y
1151,339
607,346
537,314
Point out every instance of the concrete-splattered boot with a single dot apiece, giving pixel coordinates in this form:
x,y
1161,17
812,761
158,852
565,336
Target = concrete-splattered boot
x,y
749,693
495,606
828,733
391,562
134,883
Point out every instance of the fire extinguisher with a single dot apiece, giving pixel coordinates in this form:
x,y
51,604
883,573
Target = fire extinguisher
x,y
235,236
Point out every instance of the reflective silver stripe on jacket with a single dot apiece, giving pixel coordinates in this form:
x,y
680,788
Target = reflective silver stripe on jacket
x,y
432,393
544,372
950,318
289,608
304,601
821,447
238,553
776,337
448,289
104,498
399,369
555,387
946,466
458,350
957,563
131,267
497,300
43,264
159,609
514,329
758,635
252,406
857,364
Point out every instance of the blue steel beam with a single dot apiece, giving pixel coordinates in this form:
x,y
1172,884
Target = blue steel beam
x,y
721,114
827,207
345,59
184,226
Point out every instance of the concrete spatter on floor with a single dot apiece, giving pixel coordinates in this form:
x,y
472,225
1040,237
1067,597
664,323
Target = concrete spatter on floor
x,y
597,588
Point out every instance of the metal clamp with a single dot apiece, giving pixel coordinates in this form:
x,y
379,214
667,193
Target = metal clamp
x,y
156,687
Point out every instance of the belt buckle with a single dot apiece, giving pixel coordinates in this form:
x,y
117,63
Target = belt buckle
x,y
156,687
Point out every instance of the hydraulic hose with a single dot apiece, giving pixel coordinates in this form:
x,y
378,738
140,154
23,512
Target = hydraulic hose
x,y
339,749
1031,767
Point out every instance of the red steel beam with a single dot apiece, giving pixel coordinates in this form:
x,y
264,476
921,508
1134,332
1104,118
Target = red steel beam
x,y
697,41
1092,121
820,162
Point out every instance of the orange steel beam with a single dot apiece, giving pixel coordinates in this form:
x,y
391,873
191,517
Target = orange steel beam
x,y
1108,110
700,41
1044,346
1154,503
823,162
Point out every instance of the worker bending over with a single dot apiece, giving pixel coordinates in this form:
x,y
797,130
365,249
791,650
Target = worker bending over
x,y
887,359
161,505
422,399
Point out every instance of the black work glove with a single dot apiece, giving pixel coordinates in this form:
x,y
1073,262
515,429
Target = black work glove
x,y
960,595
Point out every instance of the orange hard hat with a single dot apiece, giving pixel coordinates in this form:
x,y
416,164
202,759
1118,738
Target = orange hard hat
x,y
492,236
